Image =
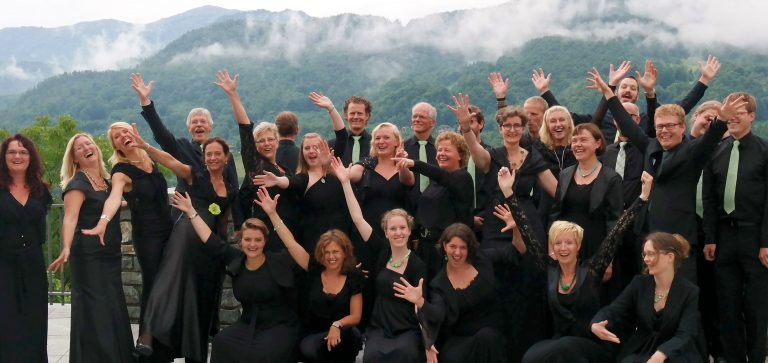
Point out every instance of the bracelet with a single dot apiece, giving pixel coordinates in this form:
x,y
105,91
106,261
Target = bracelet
x,y
104,216
194,216
336,324
501,99
279,225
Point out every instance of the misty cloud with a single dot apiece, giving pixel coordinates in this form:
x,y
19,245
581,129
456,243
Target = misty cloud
x,y
12,70
101,53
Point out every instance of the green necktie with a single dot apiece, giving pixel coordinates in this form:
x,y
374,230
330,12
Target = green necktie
x,y
729,199
423,180
471,170
699,198
621,159
356,149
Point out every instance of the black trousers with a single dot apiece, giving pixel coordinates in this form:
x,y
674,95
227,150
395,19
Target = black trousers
x,y
742,291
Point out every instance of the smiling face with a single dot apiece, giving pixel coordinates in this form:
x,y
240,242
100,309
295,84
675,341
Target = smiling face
x,y
121,139
266,144
310,150
512,130
741,122
628,90
559,127
252,243
357,118
397,231
456,250
85,152
657,261
17,157
584,145
199,127
333,256
215,157
385,142
421,120
669,131
566,248
701,121
448,156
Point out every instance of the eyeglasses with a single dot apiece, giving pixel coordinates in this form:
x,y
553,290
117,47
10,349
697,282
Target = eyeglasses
x,y
267,140
21,153
669,127
516,127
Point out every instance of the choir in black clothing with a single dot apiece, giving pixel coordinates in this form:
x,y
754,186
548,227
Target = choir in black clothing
x,y
429,288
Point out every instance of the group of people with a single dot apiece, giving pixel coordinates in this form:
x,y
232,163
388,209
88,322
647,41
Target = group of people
x,y
613,236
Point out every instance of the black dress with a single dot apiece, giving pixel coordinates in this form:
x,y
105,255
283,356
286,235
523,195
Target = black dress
x,y
23,309
466,325
521,287
378,195
324,309
268,329
571,313
150,220
254,165
393,335
101,330
321,206
182,308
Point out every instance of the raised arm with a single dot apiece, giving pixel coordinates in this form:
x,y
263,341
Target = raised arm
x,y
322,101
181,170
111,206
342,173
160,133
269,205
499,85
506,181
615,75
703,147
229,86
480,155
610,244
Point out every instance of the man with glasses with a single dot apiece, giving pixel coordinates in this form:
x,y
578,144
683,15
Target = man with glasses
x,y
676,164
735,193
421,146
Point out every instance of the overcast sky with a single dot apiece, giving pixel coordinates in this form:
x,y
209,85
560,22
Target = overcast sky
x,y
51,13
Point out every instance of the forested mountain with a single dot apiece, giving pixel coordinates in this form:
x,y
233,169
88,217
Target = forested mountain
x,y
281,59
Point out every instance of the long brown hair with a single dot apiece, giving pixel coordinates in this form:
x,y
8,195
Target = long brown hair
x,y
34,175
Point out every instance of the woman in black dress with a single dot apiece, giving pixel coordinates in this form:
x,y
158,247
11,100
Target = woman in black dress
x,y
521,287
24,203
101,330
574,284
660,306
393,335
182,307
589,194
555,142
263,282
446,200
463,320
259,160
136,177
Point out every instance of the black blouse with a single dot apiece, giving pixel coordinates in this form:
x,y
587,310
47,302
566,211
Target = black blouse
x,y
325,308
448,198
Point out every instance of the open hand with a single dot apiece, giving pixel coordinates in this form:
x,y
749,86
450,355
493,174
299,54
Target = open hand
x,y
502,212
709,69
498,84
265,201
649,77
321,100
600,330
615,75
540,81
182,202
596,83
406,291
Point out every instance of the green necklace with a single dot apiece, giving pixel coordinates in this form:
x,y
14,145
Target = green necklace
x,y
565,286
399,263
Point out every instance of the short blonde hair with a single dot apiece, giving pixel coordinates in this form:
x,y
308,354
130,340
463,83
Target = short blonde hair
x,y
395,213
117,155
561,227
68,165
375,152
458,142
545,135
263,127
670,109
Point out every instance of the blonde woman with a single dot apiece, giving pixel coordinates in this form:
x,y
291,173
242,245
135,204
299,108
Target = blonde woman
x,y
101,330
136,178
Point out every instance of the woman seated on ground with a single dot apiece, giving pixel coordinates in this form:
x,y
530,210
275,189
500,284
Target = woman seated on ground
x,y
268,329
662,309
574,284
463,319
393,334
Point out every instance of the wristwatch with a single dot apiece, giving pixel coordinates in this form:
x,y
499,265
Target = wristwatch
x,y
336,324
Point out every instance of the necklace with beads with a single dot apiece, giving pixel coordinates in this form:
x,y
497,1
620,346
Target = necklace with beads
x,y
658,297
97,186
397,264
565,287
584,175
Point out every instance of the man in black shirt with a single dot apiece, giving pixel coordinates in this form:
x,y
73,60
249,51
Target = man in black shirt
x,y
357,112
287,129
735,193
421,146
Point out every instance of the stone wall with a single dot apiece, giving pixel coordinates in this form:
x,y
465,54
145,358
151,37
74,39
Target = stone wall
x,y
229,310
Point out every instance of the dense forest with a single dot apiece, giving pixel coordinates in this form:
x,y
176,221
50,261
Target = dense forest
x,y
393,78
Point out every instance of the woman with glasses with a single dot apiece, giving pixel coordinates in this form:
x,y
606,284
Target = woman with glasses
x,y
259,160
660,307
24,204
521,288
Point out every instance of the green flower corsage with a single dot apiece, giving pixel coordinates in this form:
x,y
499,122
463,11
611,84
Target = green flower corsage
x,y
214,209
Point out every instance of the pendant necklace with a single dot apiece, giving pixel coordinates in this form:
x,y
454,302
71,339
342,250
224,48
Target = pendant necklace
x,y
658,297
399,263
561,159
584,175
97,186
567,286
